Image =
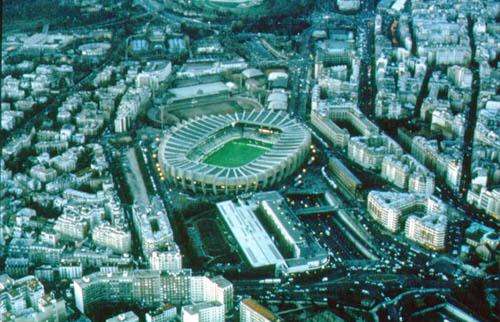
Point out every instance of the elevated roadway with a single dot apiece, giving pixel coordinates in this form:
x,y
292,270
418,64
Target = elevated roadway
x,y
315,210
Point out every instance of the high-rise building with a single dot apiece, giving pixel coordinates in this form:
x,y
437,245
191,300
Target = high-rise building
x,y
151,288
176,288
223,292
212,289
136,286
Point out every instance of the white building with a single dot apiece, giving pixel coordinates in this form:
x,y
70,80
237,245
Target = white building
x,y
42,173
258,246
428,230
168,259
25,299
164,313
460,76
277,100
390,209
113,237
72,227
124,317
218,289
152,288
203,312
152,226
153,74
370,151
70,269
488,200
348,5
131,105
407,173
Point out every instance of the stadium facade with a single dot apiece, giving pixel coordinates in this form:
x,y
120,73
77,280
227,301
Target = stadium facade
x,y
186,147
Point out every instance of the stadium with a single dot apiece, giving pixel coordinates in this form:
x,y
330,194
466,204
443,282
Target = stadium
x,y
228,4
233,153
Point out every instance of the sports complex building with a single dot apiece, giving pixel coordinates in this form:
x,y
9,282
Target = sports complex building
x,y
269,234
233,153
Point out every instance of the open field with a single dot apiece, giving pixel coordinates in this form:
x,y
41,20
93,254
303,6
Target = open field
x,y
213,240
236,153
223,107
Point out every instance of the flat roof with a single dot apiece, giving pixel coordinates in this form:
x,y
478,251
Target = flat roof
x,y
289,222
398,5
253,239
221,281
261,310
252,72
124,317
197,307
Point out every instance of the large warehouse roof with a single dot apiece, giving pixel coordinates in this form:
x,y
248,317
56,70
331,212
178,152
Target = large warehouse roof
x,y
254,241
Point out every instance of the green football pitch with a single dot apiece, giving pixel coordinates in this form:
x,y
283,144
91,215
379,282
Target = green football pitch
x,y
237,153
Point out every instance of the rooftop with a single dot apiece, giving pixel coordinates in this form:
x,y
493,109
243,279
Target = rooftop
x,y
253,305
196,308
253,239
